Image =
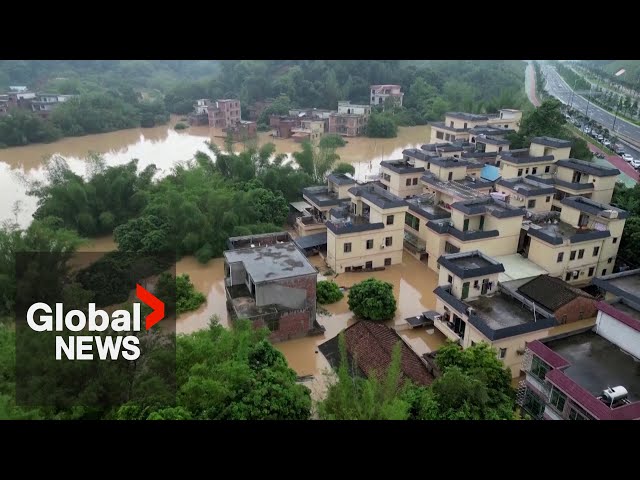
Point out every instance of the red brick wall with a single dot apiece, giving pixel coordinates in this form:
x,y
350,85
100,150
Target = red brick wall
x,y
572,310
297,323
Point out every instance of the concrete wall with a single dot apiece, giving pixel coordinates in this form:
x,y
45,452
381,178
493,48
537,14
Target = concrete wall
x,y
603,188
618,333
542,202
397,183
546,256
510,170
475,283
238,273
459,123
538,150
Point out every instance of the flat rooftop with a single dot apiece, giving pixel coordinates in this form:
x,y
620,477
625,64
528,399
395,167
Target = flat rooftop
x,y
272,262
467,116
596,363
489,205
341,179
516,267
624,284
552,142
452,188
500,311
426,206
558,233
378,196
587,205
401,166
588,167
321,196
527,187
470,264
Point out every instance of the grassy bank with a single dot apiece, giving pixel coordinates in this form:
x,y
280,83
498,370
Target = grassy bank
x,y
579,133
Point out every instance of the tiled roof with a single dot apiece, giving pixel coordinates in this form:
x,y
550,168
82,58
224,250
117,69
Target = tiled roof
x,y
587,167
370,348
550,292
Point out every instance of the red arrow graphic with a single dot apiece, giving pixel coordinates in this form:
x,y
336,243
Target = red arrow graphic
x,y
154,302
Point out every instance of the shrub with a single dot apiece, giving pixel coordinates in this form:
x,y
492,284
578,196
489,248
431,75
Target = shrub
x,y
328,292
372,300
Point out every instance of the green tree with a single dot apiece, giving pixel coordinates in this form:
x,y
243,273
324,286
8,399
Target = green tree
x,y
372,299
344,167
186,296
378,397
332,140
382,125
328,292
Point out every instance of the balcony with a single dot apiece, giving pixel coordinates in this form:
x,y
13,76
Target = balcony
x,y
414,244
446,328
320,197
243,305
309,225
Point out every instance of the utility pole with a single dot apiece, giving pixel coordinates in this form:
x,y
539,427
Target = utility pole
x,y
617,74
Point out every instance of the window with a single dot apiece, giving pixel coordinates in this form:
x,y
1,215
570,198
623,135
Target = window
x,y
538,368
548,199
591,270
465,225
499,149
563,320
526,171
388,241
498,163
408,182
273,324
547,169
531,203
533,404
387,262
347,247
368,265
576,413
369,244
596,250
610,259
604,272
567,277
615,240
557,399
428,165
560,257
440,135
450,177
580,253
412,221
534,170
415,181
465,125
447,137
449,279
476,284
389,219
572,256
451,124
503,352
519,172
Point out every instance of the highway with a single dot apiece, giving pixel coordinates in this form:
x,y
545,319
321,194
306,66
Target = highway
x,y
557,87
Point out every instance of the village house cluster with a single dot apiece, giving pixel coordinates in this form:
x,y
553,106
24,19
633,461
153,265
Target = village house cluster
x,y
20,97
514,237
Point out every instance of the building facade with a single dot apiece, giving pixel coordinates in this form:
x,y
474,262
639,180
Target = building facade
x,y
224,113
381,93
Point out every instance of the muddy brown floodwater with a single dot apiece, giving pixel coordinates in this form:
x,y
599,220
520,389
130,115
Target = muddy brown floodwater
x,y
413,285
413,282
164,146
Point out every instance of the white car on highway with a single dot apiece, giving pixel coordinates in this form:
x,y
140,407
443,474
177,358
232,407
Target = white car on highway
x,y
606,143
635,163
627,157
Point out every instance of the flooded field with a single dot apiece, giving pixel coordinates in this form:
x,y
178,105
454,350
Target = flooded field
x,y
163,146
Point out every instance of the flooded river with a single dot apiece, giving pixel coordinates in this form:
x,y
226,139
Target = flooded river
x,y
164,146
413,282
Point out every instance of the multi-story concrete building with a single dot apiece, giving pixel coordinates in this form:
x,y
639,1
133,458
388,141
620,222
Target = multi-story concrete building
x,y
224,113
380,94
44,103
322,199
368,232
200,113
270,281
350,120
591,375
310,130
282,126
458,126
472,307
539,158
242,130
401,177
579,244
527,193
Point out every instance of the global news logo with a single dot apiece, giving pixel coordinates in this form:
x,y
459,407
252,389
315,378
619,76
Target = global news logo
x,y
42,318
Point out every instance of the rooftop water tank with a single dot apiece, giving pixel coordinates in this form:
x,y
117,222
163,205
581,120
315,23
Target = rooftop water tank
x,y
615,394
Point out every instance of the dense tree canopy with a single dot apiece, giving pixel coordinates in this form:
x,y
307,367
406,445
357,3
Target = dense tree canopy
x,y
372,299
328,291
